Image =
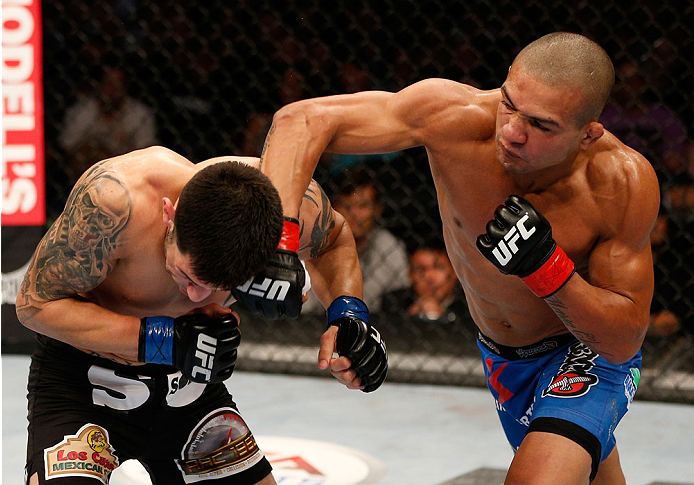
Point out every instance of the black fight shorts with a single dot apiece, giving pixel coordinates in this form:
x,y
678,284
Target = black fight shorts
x,y
87,415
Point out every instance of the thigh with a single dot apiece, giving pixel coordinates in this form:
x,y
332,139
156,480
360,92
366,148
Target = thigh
x,y
582,388
550,459
70,440
205,441
513,385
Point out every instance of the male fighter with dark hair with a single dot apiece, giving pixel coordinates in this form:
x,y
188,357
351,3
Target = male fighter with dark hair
x,y
128,292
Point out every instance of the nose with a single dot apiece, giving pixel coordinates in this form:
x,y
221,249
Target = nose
x,y
197,293
514,130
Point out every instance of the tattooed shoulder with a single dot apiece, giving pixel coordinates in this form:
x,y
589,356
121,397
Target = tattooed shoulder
x,y
77,252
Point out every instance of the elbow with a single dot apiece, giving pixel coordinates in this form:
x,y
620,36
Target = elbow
x,y
23,316
27,313
624,351
622,357
300,114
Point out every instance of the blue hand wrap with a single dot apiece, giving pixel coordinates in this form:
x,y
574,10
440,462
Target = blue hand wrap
x,y
159,337
348,306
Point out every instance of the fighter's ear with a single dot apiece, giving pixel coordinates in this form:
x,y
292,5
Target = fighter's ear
x,y
168,211
592,133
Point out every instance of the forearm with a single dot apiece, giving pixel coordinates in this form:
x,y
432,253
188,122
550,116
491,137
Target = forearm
x,y
611,324
337,270
86,326
291,153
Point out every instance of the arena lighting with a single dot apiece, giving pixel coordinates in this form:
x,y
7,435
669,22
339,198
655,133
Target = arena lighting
x,y
23,171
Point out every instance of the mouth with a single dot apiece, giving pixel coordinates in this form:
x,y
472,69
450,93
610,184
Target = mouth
x,y
508,153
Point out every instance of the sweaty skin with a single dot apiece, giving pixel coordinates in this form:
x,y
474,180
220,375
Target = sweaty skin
x,y
103,264
600,196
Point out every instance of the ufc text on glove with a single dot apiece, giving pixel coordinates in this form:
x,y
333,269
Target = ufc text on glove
x,y
519,242
202,347
278,289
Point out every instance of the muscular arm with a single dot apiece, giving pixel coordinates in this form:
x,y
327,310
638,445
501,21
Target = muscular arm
x,y
366,122
77,253
611,311
328,248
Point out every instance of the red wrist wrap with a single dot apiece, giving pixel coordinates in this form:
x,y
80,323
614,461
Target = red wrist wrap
x,y
552,275
290,235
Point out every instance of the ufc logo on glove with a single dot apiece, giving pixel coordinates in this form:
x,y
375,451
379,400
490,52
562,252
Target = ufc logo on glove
x,y
507,247
207,346
542,265
277,289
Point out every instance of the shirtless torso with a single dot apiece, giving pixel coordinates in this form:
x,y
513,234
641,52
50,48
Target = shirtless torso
x,y
586,207
103,265
107,248
537,137
601,198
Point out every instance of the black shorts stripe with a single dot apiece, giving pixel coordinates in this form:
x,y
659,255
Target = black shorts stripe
x,y
573,432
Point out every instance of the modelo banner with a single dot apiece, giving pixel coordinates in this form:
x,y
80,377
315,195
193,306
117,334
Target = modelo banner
x,y
23,171
23,183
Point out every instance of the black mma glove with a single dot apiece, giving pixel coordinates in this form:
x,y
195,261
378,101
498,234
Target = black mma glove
x,y
202,347
278,289
519,242
359,341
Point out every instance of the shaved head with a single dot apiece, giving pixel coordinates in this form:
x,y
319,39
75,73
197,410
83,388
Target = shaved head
x,y
564,59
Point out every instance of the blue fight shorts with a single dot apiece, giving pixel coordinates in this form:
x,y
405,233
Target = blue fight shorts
x,y
559,385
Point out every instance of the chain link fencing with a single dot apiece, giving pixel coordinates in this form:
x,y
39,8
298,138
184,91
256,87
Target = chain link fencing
x,y
203,78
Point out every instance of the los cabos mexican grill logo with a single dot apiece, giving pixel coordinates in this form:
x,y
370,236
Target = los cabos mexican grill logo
x,y
87,453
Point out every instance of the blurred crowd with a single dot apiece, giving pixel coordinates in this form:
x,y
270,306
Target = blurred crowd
x,y
205,78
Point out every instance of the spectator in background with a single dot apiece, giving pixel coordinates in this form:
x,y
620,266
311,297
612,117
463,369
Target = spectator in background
x,y
663,320
435,294
382,256
105,123
645,124
291,88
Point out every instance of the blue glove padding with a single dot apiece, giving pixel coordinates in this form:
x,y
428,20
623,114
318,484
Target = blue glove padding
x,y
359,341
202,347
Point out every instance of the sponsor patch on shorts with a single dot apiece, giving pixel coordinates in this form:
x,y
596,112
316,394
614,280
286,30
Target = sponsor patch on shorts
x,y
87,453
220,445
573,378
631,382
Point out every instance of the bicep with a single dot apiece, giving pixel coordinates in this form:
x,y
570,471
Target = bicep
x,y
369,122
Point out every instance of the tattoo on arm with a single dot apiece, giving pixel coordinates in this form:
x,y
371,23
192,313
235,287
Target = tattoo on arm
x,y
76,254
265,144
587,338
324,222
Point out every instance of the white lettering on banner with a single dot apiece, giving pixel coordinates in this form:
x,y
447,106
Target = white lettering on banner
x,y
23,197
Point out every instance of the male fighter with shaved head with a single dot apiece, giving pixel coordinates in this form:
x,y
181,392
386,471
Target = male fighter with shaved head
x,y
559,281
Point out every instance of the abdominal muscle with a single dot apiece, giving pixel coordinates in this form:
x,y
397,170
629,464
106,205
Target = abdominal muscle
x,y
503,308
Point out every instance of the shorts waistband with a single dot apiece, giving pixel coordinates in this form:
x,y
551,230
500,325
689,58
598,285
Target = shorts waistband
x,y
538,349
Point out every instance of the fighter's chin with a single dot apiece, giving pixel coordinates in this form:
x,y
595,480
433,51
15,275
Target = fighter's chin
x,y
510,164
512,167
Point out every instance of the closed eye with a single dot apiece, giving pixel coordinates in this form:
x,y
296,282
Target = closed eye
x,y
539,126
